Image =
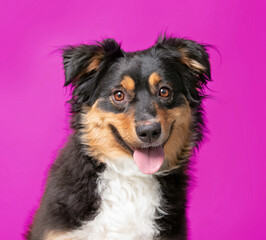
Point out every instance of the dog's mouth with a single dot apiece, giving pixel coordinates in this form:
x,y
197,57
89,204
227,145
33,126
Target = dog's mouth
x,y
149,159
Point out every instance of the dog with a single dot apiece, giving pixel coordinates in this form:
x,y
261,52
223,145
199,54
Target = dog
x,y
137,118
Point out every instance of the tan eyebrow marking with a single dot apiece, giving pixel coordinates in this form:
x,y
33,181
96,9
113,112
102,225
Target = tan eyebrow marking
x,y
128,83
154,79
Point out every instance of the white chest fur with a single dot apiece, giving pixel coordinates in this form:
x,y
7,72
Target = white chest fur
x,y
129,200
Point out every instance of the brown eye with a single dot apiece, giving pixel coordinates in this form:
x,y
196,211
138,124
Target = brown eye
x,y
119,96
164,92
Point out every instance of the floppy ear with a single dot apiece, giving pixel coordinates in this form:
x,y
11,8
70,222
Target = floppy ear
x,y
81,60
83,65
191,53
85,60
195,59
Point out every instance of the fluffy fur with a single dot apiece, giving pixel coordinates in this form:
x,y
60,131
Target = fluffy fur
x,y
94,189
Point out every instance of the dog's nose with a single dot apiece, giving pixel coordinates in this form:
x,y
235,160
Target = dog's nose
x,y
149,132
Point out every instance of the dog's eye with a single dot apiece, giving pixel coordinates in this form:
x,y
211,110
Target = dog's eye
x,y
119,96
164,92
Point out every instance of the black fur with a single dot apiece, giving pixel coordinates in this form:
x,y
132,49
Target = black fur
x,y
173,187
70,196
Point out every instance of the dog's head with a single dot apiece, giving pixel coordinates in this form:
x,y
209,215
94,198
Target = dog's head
x,y
145,104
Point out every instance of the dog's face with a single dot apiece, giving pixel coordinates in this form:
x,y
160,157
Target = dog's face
x,y
138,104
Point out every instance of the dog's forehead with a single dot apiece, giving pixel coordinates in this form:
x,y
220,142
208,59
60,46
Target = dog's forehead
x,y
140,71
140,67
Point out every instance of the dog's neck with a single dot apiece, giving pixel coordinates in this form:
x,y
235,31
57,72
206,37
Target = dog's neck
x,y
126,167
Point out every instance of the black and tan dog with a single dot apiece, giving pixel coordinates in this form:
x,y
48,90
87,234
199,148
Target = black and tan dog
x,y
136,118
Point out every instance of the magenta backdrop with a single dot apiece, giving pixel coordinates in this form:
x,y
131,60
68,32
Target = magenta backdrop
x,y
228,199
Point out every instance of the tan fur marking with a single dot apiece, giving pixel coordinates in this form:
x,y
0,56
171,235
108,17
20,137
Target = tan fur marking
x,y
128,83
58,236
154,79
94,62
102,143
191,63
177,144
98,136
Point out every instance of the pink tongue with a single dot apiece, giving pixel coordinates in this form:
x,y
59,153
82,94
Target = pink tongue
x,y
149,160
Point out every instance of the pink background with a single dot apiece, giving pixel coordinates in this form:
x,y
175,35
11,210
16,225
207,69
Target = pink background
x,y
228,199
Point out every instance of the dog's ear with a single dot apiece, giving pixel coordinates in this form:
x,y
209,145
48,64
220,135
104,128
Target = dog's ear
x,y
84,65
195,59
85,60
191,53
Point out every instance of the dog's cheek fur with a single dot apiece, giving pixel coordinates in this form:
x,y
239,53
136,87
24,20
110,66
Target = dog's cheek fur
x,y
97,134
176,122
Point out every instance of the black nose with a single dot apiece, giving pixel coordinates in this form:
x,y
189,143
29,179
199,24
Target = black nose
x,y
149,132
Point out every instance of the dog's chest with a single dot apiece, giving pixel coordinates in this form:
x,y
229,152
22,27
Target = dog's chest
x,y
129,204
